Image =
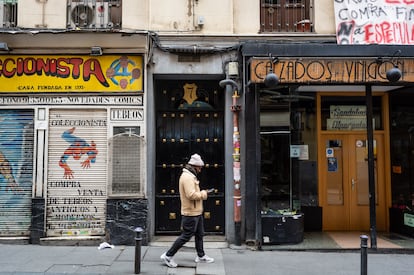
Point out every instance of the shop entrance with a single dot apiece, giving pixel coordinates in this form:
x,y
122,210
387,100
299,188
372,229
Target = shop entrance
x,y
344,182
189,119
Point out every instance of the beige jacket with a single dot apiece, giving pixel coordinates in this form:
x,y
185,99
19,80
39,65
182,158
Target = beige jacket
x,y
190,194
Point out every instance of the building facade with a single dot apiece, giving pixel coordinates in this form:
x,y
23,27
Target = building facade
x,y
103,102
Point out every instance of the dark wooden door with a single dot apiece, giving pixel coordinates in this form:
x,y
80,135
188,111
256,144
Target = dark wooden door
x,y
189,119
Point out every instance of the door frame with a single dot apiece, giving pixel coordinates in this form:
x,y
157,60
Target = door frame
x,y
180,108
351,216
384,133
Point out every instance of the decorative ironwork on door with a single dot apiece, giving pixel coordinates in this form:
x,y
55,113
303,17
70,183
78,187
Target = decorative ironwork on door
x,y
189,119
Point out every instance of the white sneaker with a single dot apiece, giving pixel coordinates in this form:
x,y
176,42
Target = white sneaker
x,y
168,260
204,259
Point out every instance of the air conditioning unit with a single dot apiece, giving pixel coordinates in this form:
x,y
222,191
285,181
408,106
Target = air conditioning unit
x,y
91,15
102,12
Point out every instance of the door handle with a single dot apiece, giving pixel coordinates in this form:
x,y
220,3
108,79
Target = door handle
x,y
353,182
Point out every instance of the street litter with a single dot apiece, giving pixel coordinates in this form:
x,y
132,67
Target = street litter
x,y
105,245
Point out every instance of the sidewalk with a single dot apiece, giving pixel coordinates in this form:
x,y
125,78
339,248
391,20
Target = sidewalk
x,y
319,253
35,259
38,259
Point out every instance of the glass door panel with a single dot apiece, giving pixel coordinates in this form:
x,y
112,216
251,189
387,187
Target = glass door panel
x,y
360,193
334,177
345,182
362,184
333,174
275,170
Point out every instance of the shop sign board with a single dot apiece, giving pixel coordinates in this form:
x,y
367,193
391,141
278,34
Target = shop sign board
x,y
374,22
127,114
71,73
347,117
348,111
346,124
329,71
128,100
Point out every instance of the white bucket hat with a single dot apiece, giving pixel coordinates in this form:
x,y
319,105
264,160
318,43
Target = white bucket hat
x,y
196,160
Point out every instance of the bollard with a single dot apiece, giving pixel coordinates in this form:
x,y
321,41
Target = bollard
x,y
138,241
364,249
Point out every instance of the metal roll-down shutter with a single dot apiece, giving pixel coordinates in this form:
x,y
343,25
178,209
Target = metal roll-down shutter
x,y
16,171
77,178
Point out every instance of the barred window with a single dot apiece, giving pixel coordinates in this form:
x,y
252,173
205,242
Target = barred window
x,y
126,161
285,16
8,13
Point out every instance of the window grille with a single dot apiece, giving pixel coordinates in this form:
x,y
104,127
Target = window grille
x,y
285,16
94,14
126,161
8,13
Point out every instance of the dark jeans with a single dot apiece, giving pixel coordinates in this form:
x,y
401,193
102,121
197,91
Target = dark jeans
x,y
191,226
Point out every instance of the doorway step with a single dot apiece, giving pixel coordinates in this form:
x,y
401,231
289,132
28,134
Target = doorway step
x,y
347,240
209,241
72,241
352,240
14,240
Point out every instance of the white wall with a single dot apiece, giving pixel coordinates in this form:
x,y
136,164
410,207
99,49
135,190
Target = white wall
x,y
324,22
135,14
246,16
36,13
184,15
221,17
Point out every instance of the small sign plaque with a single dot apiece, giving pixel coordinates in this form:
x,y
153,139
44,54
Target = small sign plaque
x,y
294,151
409,219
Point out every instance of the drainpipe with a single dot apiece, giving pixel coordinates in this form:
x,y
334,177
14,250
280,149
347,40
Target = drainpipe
x,y
237,197
371,167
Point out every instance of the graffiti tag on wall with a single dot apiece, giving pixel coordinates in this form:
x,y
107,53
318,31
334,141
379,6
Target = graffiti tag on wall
x,y
374,21
76,188
16,171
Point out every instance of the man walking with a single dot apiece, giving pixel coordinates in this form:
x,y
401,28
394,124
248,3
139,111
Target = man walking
x,y
192,221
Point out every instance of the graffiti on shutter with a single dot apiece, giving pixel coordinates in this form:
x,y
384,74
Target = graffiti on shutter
x,y
76,187
16,171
